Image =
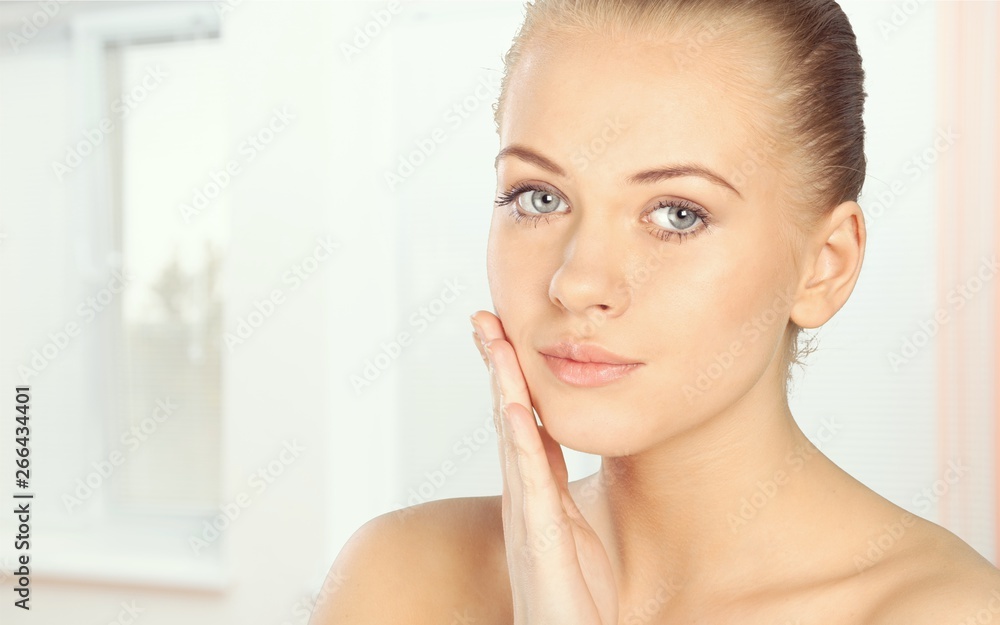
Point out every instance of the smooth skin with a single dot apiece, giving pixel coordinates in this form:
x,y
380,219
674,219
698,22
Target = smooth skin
x,y
558,566
660,534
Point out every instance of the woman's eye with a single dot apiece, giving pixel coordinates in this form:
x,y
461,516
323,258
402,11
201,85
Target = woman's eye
x,y
675,216
671,218
539,201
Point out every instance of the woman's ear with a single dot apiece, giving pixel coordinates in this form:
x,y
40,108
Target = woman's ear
x,y
834,254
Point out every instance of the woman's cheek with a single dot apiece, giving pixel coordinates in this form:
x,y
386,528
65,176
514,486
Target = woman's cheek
x,y
515,298
496,255
694,329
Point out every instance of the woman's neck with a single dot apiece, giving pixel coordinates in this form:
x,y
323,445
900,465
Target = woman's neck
x,y
708,507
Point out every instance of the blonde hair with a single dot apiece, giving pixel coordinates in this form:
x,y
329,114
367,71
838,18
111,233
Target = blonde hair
x,y
805,53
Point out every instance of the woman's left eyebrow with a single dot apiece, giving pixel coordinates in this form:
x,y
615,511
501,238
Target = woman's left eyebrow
x,y
644,177
676,171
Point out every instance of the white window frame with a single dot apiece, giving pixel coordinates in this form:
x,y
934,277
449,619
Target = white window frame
x,y
103,549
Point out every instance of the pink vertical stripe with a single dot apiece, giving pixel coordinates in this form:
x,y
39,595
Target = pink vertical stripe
x,y
996,298
944,75
963,109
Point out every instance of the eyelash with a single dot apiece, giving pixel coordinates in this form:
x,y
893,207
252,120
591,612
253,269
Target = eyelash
x,y
510,196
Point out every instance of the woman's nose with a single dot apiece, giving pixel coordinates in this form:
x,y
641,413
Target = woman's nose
x,y
591,282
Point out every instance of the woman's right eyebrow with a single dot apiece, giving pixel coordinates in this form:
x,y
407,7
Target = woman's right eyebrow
x,y
644,177
529,155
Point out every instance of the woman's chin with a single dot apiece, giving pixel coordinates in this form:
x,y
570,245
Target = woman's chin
x,y
589,429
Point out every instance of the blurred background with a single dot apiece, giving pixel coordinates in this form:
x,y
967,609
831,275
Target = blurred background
x,y
240,241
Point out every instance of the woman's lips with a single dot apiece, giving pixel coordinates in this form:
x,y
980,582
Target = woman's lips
x,y
587,373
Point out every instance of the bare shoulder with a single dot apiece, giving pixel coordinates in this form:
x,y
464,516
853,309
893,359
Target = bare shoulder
x,y
940,580
440,562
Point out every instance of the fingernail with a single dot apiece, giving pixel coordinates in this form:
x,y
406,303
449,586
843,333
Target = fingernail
x,y
488,348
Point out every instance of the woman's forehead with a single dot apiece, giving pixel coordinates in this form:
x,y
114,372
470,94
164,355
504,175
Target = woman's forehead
x,y
582,96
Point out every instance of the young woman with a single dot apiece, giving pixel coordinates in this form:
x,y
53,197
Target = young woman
x,y
677,187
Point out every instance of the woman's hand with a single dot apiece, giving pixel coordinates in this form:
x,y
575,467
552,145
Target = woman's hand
x,y
559,570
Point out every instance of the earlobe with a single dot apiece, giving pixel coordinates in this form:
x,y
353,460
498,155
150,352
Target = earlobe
x,y
832,266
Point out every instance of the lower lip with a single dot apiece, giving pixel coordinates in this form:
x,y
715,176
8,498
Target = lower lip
x,y
587,373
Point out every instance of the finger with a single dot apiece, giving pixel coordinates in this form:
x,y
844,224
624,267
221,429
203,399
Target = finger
x,y
507,369
541,499
556,458
513,524
508,387
514,531
557,463
510,384
483,337
491,328
512,389
478,336
504,445
489,324
479,346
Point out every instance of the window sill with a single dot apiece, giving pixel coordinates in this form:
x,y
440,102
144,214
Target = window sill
x,y
124,555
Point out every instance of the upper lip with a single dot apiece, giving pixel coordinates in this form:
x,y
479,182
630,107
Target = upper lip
x,y
584,352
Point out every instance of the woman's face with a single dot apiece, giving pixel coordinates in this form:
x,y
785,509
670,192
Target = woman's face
x,y
585,263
